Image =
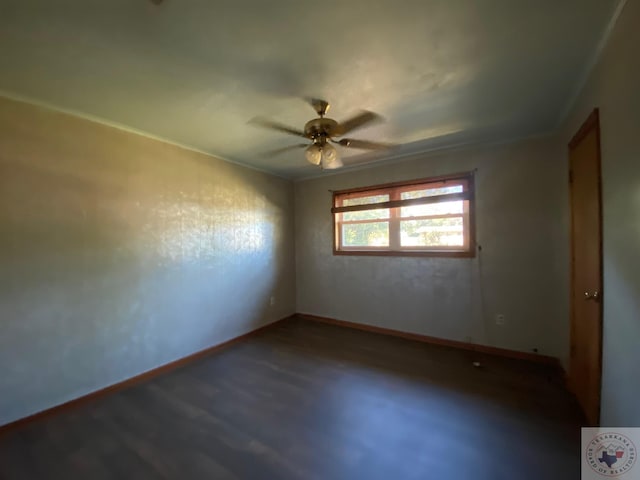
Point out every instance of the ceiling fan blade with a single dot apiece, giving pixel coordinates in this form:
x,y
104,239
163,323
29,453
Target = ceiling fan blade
x,y
357,121
266,123
364,144
279,151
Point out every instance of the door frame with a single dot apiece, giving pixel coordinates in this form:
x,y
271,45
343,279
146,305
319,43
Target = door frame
x,y
591,123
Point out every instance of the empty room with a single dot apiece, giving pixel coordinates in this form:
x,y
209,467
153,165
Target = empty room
x,y
339,240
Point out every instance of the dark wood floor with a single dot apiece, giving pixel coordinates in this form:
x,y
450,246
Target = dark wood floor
x,y
304,400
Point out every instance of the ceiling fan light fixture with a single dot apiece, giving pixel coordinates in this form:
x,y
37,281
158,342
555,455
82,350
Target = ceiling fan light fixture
x,y
330,157
313,153
337,163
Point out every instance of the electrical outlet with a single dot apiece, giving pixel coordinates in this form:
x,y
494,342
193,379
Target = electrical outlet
x,y
500,320
272,301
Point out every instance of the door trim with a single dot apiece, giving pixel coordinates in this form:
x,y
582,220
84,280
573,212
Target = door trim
x,y
592,122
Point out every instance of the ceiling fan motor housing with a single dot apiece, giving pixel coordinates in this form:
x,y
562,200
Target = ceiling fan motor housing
x,y
320,129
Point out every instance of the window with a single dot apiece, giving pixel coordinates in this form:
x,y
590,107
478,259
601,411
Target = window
x,y
427,217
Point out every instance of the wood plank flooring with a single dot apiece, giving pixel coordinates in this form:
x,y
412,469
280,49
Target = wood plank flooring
x,y
305,400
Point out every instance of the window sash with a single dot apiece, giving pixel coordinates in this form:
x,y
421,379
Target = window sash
x,y
447,197
394,227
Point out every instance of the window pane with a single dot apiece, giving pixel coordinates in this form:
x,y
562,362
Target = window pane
x,y
347,202
430,192
365,214
435,232
442,208
374,234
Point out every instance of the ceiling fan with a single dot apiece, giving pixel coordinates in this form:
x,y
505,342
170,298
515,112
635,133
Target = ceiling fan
x,y
322,132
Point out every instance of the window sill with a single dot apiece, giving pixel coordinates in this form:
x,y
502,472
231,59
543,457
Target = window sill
x,y
407,253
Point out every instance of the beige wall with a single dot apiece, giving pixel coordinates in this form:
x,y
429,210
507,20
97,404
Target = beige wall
x,y
522,270
614,87
119,253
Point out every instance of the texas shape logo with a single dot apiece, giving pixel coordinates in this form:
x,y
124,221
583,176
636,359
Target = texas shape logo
x,y
611,454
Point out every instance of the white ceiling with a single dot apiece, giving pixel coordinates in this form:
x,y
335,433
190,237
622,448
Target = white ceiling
x,y
442,72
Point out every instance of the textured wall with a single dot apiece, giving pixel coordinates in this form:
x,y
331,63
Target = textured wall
x,y
522,226
613,87
119,253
